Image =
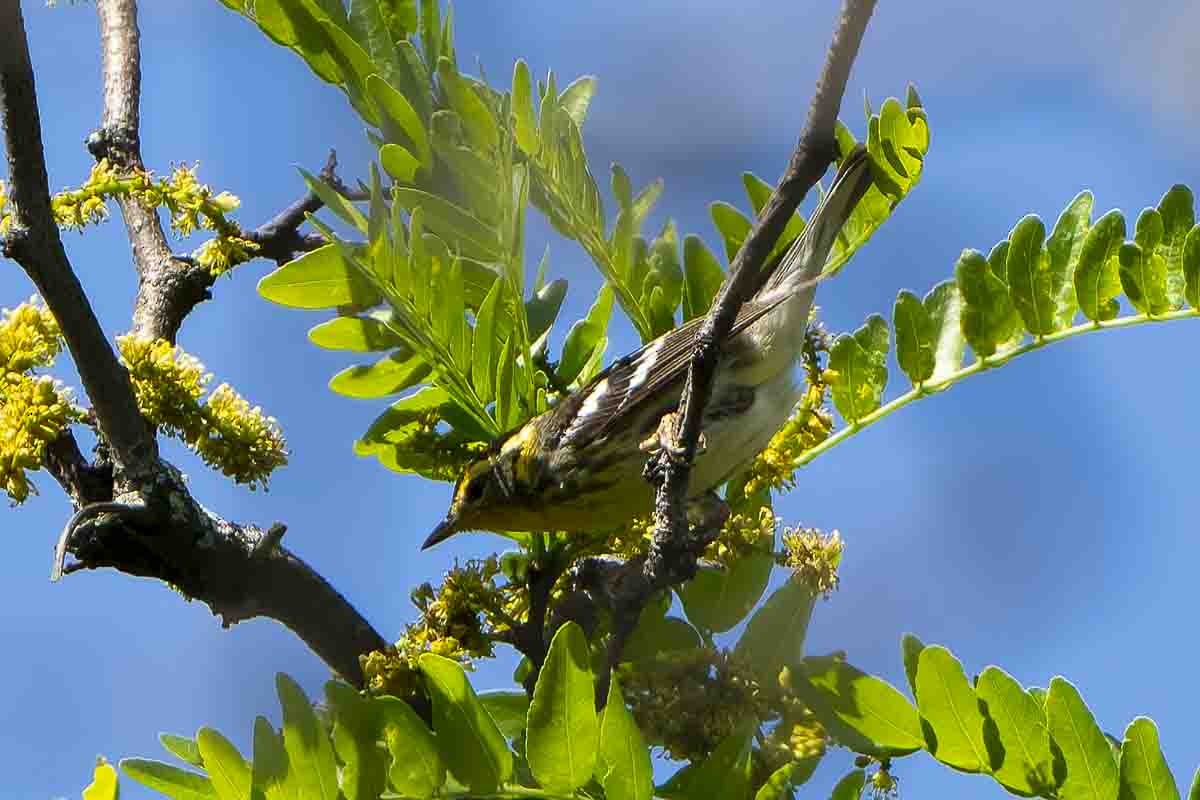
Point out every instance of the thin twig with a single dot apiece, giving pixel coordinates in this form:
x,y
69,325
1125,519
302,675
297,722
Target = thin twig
x,y
35,244
673,552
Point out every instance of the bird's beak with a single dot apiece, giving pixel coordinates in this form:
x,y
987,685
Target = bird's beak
x,y
445,529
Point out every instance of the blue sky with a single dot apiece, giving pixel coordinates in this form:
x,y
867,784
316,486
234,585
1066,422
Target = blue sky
x,y
1038,517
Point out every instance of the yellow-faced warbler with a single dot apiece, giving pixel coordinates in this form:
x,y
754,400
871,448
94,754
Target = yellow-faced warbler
x,y
578,466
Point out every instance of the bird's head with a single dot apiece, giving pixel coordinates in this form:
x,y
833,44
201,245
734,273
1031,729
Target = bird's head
x,y
485,494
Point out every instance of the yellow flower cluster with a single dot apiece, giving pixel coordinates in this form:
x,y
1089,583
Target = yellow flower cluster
x,y
34,410
463,618
813,557
689,703
742,535
5,216
225,431
191,205
387,672
810,424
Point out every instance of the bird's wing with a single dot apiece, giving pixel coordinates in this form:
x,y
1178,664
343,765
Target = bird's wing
x,y
631,380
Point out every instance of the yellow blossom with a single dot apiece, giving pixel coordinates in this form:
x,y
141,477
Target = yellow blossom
x,y
225,431
813,557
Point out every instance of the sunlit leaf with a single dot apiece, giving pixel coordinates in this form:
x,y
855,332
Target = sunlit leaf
x,y
472,746
860,711
563,731
860,364
176,783
1091,770
624,760
774,636
104,783
1018,731
309,752
988,316
703,277
228,771
1097,283
321,278
950,713
1143,770
417,768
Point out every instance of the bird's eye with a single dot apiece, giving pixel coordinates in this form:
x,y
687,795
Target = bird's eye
x,y
474,491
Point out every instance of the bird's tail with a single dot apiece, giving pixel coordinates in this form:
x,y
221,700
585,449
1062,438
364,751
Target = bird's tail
x,y
805,259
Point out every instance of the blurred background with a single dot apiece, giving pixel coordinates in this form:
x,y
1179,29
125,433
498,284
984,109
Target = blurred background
x,y
1041,517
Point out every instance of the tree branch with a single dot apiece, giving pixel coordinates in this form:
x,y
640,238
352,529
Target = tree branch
x,y
35,244
138,516
674,550
239,571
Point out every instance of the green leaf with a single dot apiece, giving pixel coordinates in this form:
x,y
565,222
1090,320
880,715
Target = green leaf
x,y
576,98
910,649
310,755
483,365
357,334
335,201
399,121
1091,769
1144,774
783,781
399,163
364,772
1194,792
470,743
478,122
562,731
914,337
1177,210
988,316
851,786
104,783
1035,290
718,599
724,774
1143,271
269,770
176,783
542,309
1191,266
881,721
624,760
524,124
321,278
774,636
953,722
860,361
431,33
369,20
1097,283
1062,255
1018,731
182,747
417,768
228,771
509,710
462,231
703,277
658,635
733,226
585,336
507,412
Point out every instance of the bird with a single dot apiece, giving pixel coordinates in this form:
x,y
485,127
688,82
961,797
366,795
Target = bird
x,y
578,467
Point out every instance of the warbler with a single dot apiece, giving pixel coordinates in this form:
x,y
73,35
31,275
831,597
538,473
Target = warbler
x,y
578,466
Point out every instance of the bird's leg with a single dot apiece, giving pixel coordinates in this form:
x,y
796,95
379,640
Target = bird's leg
x,y
707,515
663,438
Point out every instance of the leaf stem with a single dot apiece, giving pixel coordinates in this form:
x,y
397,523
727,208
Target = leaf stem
x,y
981,365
